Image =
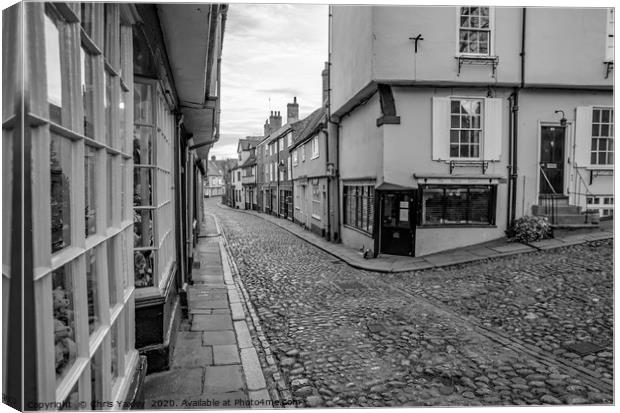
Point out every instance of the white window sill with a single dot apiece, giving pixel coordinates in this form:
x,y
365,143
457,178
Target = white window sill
x,y
476,56
314,157
316,217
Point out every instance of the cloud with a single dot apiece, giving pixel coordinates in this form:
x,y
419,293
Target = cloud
x,y
271,53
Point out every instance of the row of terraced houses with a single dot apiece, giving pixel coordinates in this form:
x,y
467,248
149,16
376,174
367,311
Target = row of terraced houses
x,y
442,125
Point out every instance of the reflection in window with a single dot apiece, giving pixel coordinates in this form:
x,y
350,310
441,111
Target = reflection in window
x,y
143,145
475,30
92,286
52,65
143,109
90,209
88,92
114,355
142,186
122,121
107,104
143,268
465,128
143,228
111,195
60,190
111,271
64,321
123,191
467,205
96,379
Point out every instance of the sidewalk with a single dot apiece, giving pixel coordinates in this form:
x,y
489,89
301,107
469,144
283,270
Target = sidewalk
x,y
395,264
215,364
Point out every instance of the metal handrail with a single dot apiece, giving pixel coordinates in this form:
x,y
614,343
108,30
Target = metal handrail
x,y
584,182
547,179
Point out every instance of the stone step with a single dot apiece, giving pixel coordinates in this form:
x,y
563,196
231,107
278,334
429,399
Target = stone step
x,y
562,219
559,209
557,200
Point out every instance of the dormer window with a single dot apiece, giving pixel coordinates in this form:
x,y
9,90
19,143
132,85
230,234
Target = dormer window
x,y
474,31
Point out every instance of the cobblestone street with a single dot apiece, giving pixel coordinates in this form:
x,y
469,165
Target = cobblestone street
x,y
496,332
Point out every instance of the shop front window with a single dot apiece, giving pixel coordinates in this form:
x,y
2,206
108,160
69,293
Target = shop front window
x,y
60,191
462,205
65,349
53,27
90,208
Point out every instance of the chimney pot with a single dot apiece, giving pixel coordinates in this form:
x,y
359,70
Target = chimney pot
x,y
292,111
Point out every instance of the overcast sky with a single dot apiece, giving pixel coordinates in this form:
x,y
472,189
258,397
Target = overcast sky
x,y
271,51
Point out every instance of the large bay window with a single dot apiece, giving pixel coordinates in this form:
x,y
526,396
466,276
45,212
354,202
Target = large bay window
x,y
152,197
80,236
359,206
457,205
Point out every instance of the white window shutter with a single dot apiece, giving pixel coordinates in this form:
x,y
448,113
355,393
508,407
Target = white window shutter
x,y
492,136
441,128
583,135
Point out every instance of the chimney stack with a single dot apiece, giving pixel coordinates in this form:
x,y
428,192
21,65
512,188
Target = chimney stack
x,y
266,128
275,121
325,76
292,111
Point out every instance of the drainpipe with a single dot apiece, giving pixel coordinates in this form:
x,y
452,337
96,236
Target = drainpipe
x,y
333,127
329,180
514,112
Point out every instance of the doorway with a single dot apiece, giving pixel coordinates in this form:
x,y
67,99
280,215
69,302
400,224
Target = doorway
x,y
551,173
397,235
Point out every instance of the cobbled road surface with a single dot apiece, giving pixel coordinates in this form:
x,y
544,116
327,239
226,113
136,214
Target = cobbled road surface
x,y
489,333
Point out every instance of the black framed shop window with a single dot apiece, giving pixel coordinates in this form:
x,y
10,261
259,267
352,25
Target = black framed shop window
x,y
457,205
359,207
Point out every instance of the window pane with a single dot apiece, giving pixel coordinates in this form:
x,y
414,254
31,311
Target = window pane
x,y
432,204
122,125
143,268
52,66
123,191
456,206
64,321
604,116
143,183
88,92
86,18
454,150
143,145
90,210
107,104
143,228
111,192
60,190
143,110
111,253
114,355
96,379
92,291
479,205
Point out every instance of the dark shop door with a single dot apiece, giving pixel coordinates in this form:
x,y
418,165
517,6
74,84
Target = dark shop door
x,y
397,228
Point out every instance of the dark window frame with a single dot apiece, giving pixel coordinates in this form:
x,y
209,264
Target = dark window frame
x,y
491,207
353,215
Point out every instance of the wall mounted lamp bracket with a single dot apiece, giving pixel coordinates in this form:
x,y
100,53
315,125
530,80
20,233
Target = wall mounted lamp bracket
x,y
416,39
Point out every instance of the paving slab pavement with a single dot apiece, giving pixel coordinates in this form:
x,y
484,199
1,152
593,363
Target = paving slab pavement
x,y
214,363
